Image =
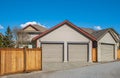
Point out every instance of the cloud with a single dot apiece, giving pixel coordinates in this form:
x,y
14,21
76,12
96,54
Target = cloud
x,y
97,27
32,23
1,27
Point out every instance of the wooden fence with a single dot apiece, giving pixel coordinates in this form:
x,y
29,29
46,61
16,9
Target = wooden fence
x,y
14,60
94,54
118,54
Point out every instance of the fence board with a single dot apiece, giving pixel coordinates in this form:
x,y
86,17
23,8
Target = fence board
x,y
94,54
33,59
14,60
118,54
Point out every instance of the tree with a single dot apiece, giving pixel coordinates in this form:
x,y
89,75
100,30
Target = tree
x,y
1,41
21,37
16,31
8,40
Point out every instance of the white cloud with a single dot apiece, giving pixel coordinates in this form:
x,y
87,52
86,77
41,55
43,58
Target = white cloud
x,y
32,23
97,27
1,27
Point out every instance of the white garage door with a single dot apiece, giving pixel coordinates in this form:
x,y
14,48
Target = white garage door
x,y
107,52
52,52
78,52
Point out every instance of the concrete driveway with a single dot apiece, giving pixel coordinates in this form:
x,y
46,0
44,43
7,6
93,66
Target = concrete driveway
x,y
64,65
107,70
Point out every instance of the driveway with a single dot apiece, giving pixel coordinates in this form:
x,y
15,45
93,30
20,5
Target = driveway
x,y
107,70
64,65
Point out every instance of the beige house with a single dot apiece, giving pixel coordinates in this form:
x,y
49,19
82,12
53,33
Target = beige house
x,y
107,44
65,43
26,34
68,43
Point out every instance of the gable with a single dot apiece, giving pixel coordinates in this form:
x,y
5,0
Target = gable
x,y
29,28
86,34
107,38
64,33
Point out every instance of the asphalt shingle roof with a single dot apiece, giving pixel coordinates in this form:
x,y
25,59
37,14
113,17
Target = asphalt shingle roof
x,y
89,30
99,33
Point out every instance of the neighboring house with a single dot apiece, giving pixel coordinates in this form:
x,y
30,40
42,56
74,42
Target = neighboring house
x,y
65,42
107,44
26,34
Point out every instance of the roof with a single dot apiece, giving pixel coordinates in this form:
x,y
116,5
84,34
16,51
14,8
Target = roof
x,y
36,27
69,24
89,30
99,34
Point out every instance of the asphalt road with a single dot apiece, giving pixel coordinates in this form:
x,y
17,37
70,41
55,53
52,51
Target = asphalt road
x,y
107,70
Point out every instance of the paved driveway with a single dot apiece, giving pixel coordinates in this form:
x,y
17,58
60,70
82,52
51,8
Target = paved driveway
x,y
64,66
107,70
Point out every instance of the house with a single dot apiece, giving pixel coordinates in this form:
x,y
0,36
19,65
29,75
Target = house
x,y
26,34
65,42
107,41
107,44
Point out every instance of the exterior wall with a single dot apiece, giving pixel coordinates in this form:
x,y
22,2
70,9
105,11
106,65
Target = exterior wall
x,y
32,36
65,34
108,39
90,51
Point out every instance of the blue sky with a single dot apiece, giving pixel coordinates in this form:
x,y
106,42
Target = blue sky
x,y
83,13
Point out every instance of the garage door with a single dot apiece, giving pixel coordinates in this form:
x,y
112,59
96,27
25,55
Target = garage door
x,y
107,52
52,52
78,52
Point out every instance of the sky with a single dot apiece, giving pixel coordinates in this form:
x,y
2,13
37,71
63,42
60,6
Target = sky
x,y
96,14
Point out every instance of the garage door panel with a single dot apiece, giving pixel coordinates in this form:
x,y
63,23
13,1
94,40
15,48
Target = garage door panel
x,y
52,52
77,52
107,52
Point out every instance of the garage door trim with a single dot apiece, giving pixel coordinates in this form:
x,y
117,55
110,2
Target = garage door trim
x,y
56,43
77,44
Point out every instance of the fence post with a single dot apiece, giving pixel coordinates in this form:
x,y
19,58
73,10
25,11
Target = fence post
x,y
24,50
0,63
